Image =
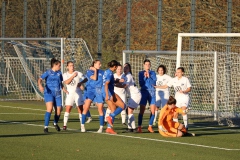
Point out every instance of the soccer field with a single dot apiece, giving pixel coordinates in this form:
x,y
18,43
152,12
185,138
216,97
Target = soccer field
x,y
22,137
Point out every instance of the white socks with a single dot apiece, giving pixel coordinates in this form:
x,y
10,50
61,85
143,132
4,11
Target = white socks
x,y
185,121
65,119
175,120
156,113
123,115
80,118
131,121
108,111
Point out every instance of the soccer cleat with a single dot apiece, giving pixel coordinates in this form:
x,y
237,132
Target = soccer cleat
x,y
124,124
189,134
130,131
110,131
100,130
154,123
139,130
64,128
83,129
57,127
89,120
150,129
45,130
109,120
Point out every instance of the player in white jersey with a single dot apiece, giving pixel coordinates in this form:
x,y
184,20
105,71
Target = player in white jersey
x,y
134,94
162,95
120,91
73,80
182,88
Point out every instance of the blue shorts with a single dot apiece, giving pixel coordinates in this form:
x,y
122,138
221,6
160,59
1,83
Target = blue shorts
x,y
148,96
110,94
57,100
94,95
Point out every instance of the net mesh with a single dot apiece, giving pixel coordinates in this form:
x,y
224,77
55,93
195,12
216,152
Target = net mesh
x,y
197,57
24,61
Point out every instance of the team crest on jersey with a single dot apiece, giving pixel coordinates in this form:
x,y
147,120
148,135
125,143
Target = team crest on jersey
x,y
72,83
182,84
159,83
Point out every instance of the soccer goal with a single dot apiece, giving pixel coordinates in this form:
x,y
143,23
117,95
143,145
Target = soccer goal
x,y
212,64
23,60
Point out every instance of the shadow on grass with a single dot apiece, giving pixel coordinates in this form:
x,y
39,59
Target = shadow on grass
x,y
212,128
20,122
24,135
37,134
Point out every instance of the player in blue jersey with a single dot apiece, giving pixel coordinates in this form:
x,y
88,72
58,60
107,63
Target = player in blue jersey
x,y
52,92
147,81
93,93
112,99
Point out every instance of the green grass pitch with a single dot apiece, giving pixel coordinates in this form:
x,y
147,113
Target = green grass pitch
x,y
22,137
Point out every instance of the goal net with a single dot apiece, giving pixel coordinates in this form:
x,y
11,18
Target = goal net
x,y
212,65
23,60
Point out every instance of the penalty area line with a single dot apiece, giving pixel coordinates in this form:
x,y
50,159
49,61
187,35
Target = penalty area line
x,y
181,143
148,139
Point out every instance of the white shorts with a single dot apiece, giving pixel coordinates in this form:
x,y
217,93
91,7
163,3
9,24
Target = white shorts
x,y
123,97
74,97
161,98
134,100
182,102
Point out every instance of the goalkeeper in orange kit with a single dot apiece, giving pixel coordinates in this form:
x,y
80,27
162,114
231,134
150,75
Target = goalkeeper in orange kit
x,y
166,126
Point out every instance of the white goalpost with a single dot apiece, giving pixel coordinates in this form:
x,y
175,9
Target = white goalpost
x,y
23,60
212,63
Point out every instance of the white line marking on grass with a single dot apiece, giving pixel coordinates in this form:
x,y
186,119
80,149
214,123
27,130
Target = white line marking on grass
x,y
159,140
23,113
149,139
23,108
37,109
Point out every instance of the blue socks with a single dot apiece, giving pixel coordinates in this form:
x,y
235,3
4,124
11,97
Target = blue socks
x,y
140,117
104,112
101,120
83,118
56,118
47,118
88,114
151,119
116,112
